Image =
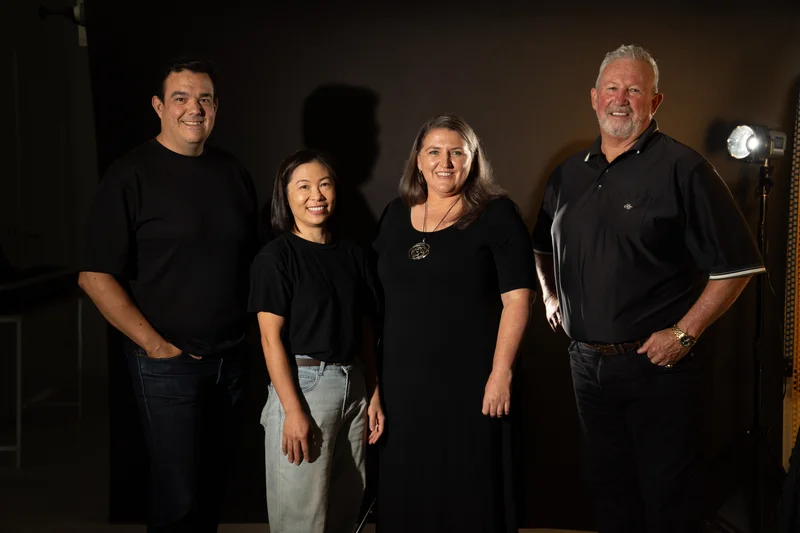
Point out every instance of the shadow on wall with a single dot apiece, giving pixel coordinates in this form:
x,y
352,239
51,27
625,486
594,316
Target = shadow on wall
x,y
341,121
535,201
543,378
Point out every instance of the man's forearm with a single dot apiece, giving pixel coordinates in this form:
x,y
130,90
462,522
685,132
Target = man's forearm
x,y
717,297
117,307
546,273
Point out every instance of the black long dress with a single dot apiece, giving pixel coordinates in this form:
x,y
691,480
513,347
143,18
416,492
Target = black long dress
x,y
445,466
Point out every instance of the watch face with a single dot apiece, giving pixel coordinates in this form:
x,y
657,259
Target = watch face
x,y
686,341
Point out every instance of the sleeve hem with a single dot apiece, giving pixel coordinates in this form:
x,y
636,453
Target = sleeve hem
x,y
117,273
516,286
738,273
262,309
542,252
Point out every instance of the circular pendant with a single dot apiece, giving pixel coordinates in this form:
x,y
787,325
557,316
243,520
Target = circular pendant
x,y
419,251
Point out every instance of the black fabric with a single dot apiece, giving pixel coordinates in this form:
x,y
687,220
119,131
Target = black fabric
x,y
322,290
180,232
636,241
444,465
641,424
190,411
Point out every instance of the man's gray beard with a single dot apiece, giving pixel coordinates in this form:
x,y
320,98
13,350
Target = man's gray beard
x,y
623,130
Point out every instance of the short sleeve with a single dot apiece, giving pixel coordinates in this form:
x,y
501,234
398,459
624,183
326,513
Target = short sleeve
x,y
511,247
109,239
717,234
270,287
542,239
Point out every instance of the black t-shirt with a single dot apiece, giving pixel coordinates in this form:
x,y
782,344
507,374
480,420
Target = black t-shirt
x,y
636,240
323,291
181,233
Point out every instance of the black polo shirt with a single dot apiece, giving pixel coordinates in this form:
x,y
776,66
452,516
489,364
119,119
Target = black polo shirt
x,y
636,240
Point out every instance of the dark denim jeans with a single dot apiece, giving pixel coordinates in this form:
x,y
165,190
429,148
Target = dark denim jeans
x,y
189,410
641,425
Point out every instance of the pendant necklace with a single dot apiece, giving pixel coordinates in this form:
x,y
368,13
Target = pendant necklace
x,y
422,248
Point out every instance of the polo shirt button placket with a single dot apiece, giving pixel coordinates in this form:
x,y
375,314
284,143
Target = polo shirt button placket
x,y
600,185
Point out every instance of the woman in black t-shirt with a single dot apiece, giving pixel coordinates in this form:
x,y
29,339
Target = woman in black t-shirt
x,y
315,299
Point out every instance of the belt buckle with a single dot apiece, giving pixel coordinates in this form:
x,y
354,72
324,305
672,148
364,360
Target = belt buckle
x,y
609,349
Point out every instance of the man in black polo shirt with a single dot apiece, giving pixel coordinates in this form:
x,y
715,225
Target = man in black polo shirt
x,y
639,248
169,241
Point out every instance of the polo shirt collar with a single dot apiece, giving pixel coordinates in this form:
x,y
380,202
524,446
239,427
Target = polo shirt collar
x,y
637,147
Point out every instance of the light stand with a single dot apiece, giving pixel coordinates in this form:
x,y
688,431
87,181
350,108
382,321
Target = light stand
x,y
757,432
366,515
751,144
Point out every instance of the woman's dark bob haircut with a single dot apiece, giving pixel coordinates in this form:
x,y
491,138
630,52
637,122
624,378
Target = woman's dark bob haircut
x,y
281,215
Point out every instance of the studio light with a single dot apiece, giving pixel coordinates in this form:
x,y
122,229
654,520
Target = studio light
x,y
756,144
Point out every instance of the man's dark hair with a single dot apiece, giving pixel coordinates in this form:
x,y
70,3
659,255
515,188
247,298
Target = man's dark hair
x,y
179,64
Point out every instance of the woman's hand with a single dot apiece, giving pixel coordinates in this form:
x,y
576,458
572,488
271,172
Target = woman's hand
x,y
497,394
297,437
377,419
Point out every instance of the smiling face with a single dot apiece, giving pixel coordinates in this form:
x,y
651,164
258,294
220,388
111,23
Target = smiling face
x,y
445,161
311,194
625,100
187,112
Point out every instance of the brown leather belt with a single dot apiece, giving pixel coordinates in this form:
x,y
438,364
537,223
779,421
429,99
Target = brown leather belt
x,y
314,362
616,349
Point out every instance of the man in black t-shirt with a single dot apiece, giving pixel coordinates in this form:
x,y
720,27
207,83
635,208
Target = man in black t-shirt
x,y
639,248
169,241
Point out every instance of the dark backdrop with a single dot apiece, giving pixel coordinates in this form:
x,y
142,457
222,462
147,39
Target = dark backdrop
x,y
359,80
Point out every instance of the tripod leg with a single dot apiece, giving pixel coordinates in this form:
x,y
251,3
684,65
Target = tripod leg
x,y
364,520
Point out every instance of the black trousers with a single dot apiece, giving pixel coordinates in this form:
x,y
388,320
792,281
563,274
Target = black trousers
x,y
189,411
641,424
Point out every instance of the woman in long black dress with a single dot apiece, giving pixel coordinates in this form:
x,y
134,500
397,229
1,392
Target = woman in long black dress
x,y
457,270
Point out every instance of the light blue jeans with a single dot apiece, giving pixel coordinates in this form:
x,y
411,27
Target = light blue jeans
x,y
324,495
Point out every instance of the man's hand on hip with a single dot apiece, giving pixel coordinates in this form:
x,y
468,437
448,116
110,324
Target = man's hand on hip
x,y
164,351
663,348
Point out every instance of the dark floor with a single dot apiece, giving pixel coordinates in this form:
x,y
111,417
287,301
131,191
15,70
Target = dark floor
x,y
63,484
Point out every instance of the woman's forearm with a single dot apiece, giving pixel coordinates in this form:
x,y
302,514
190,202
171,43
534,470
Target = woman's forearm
x,y
281,374
513,321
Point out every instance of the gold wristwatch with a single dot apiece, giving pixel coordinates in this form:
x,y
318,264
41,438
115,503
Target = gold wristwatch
x,y
684,338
